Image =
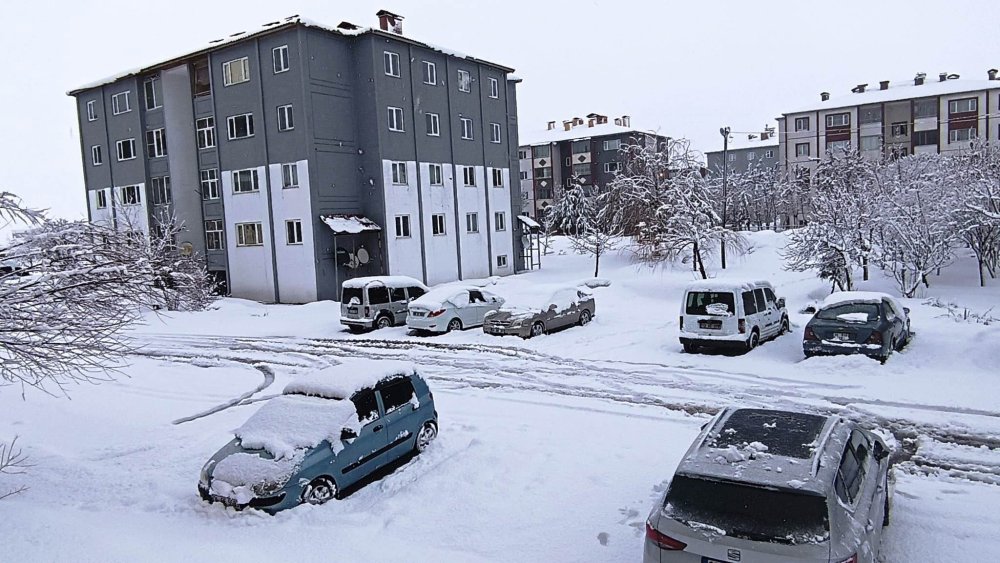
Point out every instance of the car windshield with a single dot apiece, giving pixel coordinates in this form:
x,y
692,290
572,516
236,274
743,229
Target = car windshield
x,y
748,512
350,293
710,303
851,312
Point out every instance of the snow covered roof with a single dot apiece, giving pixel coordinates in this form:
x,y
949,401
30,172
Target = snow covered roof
x,y
349,224
545,136
447,293
743,141
344,28
733,285
291,422
345,379
901,90
388,281
529,222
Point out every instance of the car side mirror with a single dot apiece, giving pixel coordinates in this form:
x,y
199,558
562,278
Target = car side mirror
x,y
347,434
906,310
493,299
552,307
781,302
879,452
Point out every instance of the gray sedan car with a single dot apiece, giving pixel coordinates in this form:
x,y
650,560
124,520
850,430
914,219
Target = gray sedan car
x,y
857,322
566,307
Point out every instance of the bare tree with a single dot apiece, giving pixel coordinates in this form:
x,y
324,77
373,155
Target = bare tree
x,y
12,462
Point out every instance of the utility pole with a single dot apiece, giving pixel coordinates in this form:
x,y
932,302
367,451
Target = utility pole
x,y
724,131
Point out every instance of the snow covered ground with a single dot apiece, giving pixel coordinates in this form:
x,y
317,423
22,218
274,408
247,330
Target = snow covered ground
x,y
550,449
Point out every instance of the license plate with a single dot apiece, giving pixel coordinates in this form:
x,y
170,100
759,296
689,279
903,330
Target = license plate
x,y
714,325
842,336
352,310
708,560
417,314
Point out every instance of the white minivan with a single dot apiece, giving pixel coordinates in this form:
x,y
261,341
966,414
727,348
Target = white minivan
x,y
730,314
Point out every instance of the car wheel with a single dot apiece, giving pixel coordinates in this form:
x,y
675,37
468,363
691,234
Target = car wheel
x,y
753,341
784,326
427,433
383,322
454,324
585,317
892,346
689,347
320,490
537,329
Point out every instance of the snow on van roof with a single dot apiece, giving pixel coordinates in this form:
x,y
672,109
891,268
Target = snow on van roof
x,y
733,285
344,379
388,281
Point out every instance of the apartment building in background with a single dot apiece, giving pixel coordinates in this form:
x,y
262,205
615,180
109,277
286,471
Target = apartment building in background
x,y
299,155
746,151
587,149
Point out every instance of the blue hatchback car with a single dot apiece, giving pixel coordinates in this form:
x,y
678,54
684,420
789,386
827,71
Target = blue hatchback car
x,y
324,433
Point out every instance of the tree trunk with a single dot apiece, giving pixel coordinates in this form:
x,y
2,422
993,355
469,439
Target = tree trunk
x,y
597,262
701,265
723,254
695,257
864,265
982,276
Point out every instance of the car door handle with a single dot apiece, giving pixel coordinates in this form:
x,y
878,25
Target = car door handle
x,y
377,428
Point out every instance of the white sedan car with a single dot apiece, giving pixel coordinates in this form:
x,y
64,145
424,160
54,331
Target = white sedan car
x,y
451,307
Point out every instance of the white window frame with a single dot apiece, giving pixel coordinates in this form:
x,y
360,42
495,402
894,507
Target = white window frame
x,y
438,228
149,87
205,131
469,176
209,183
96,156
430,73
116,104
612,144
499,221
960,135
227,71
464,79
394,118
467,129
864,141
844,118
495,133
494,88
610,167
102,199
524,175
285,115
156,143
769,154
403,226
289,176
433,124
436,174
215,231
134,191
398,173
972,103
501,261
497,177
92,110
799,153
279,59
390,63
800,120
122,143
159,190
472,223
244,229
231,126
253,181
293,231
751,155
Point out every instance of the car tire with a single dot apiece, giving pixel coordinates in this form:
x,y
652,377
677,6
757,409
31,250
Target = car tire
x,y
320,490
585,317
537,329
690,347
454,324
784,326
753,341
383,322
427,433
885,358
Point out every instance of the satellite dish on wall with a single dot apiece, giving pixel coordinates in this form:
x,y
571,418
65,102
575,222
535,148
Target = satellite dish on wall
x,y
362,255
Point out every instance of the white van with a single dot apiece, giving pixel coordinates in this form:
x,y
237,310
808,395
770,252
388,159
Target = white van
x,y
730,314
377,301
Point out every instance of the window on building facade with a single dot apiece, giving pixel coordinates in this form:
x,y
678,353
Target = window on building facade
x,y
469,175
925,137
286,121
436,174
612,144
963,106
524,175
732,157
838,120
245,181
801,123
213,234
500,221
900,129
149,89
437,224
464,81
201,83
96,157
240,126
390,61
542,151
568,161
205,132
497,177
430,73
433,124
543,172
279,59
871,143
958,135
120,103
156,143
801,149
581,147
925,108
522,154
249,234
837,147
467,132
502,261
210,184
395,116
472,222
159,189
236,71
581,170
494,132
398,173
126,149
131,195
751,155
102,199
289,175
870,115
494,88
402,226
612,166
769,154
92,110
293,231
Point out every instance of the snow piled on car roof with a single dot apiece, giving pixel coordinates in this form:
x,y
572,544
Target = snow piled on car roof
x,y
289,423
347,378
388,281
729,285
438,296
841,297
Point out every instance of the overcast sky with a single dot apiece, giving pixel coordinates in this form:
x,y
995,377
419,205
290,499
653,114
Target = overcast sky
x,y
683,68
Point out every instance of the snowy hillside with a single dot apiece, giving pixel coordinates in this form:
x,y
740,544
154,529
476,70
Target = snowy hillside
x,y
552,448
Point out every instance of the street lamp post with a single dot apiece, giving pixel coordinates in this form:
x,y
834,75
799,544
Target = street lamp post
x,y
724,131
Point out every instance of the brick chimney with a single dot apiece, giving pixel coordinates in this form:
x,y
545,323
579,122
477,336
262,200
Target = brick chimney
x,y
824,96
859,89
883,85
551,126
618,121
919,78
388,21
568,124
942,77
626,121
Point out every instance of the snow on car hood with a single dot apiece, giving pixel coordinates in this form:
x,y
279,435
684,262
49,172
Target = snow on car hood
x,y
289,423
243,476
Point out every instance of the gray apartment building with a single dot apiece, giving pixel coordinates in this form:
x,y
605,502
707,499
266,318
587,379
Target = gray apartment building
x,y
584,149
746,151
299,155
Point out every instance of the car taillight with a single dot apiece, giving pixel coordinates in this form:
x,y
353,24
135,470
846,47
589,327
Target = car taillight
x,y
875,338
662,540
809,334
851,559
437,313
367,311
682,322
743,326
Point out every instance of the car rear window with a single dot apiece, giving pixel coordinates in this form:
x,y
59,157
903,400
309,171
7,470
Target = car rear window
x,y
834,313
377,295
787,434
710,303
351,293
749,512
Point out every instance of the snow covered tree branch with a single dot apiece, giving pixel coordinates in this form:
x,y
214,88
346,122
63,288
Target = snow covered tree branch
x,y
12,462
